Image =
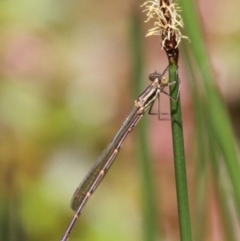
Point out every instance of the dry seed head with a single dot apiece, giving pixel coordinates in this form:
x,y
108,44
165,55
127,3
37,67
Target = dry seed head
x,y
167,20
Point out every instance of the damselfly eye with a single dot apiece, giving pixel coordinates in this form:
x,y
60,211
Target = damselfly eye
x,y
164,80
152,76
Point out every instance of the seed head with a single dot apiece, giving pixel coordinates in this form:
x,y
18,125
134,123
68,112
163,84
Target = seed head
x,y
167,21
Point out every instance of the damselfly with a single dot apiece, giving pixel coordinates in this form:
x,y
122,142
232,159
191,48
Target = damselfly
x,y
143,103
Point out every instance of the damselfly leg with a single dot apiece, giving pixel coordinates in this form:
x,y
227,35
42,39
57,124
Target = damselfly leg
x,y
164,83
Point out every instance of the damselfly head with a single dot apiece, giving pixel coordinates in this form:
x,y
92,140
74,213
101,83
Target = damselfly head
x,y
154,75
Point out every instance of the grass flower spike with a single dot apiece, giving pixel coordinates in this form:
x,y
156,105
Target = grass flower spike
x,y
167,21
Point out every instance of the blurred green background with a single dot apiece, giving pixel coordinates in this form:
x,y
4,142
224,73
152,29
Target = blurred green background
x,y
66,87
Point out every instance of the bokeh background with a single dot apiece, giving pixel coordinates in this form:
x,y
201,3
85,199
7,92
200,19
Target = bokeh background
x,y
66,87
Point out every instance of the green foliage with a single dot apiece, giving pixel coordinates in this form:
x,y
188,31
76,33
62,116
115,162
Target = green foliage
x,y
216,143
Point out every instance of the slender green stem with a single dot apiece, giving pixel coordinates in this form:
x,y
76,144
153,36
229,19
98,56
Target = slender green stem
x,y
179,157
201,168
150,219
223,199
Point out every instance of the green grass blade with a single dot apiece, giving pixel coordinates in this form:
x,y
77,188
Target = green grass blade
x,y
150,218
215,108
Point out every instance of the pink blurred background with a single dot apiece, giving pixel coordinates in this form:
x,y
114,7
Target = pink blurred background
x,y
66,77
